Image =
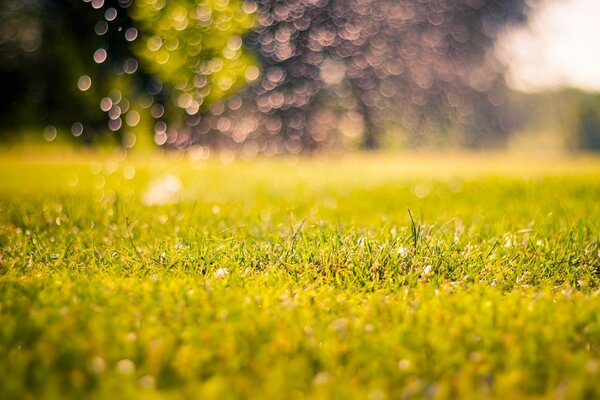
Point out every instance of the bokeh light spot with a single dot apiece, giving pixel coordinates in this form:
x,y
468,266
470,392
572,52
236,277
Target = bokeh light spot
x,y
100,56
252,73
77,129
50,133
128,140
131,34
110,14
97,4
101,28
84,83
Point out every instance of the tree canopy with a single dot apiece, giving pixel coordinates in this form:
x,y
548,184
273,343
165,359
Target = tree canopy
x,y
266,76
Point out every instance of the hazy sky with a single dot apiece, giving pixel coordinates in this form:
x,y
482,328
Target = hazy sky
x,y
560,47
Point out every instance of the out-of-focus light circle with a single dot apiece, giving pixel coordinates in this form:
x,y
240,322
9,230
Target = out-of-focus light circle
x,y
160,127
249,7
154,43
97,4
163,57
145,100
132,118
101,28
160,138
130,66
115,124
252,73
106,104
225,83
100,56
131,34
128,140
84,83
50,133
129,172
124,105
184,100
77,129
110,14
157,110
114,112
234,43
115,95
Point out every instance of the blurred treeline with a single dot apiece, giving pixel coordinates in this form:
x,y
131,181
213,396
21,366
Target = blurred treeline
x,y
567,118
272,76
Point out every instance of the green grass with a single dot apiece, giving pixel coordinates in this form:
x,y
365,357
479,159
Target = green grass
x,y
299,278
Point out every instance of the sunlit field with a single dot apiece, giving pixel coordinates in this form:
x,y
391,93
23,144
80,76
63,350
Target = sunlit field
x,y
368,277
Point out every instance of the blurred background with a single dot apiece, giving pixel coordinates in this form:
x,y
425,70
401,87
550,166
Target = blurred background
x,y
268,77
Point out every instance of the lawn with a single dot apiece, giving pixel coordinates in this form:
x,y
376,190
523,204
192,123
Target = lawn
x,y
365,276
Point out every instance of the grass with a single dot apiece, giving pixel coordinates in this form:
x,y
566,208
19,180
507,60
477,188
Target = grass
x,y
389,276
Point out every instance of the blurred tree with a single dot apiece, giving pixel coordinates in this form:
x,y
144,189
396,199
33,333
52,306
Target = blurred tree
x,y
427,65
578,116
64,62
332,70
194,47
